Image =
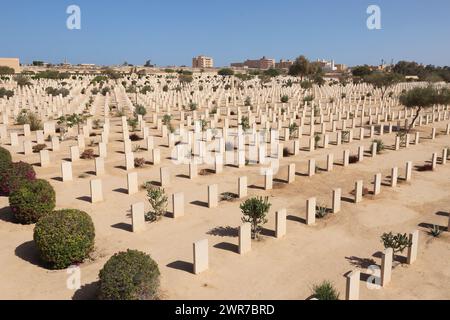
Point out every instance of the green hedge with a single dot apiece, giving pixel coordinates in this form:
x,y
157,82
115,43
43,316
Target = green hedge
x,y
12,178
32,200
64,237
5,160
131,275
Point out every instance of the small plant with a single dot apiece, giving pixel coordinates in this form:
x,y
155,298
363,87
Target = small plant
x,y
229,146
204,172
203,124
134,137
402,135
345,136
435,231
380,145
133,123
245,123
284,99
325,291
192,106
228,196
88,154
398,242
254,211
316,111
139,162
353,159
321,211
293,130
248,102
136,148
158,201
37,148
317,138
308,98
96,124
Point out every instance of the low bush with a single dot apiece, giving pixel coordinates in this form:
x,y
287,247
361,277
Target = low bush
x,y
88,154
12,178
130,275
32,200
139,162
325,291
64,237
37,148
5,160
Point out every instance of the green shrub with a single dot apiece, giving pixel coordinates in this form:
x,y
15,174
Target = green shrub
x,y
64,237
325,291
254,211
5,160
39,147
398,242
131,275
32,200
380,145
12,178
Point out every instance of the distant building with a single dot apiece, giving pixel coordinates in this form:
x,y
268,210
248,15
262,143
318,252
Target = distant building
x,y
13,63
263,63
341,67
284,64
202,62
327,66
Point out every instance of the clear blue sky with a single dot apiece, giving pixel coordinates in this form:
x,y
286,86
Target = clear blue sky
x,y
171,32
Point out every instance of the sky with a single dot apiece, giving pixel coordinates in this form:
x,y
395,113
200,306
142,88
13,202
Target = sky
x,y
171,32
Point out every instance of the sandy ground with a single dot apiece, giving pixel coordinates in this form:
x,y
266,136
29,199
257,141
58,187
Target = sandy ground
x,y
275,268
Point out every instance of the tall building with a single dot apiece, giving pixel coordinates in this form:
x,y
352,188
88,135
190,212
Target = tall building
x,y
202,62
263,63
284,64
11,63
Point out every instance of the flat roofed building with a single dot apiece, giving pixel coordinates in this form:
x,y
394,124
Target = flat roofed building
x,y
263,63
202,62
13,63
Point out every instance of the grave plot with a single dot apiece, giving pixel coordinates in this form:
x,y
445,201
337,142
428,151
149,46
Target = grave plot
x,y
200,154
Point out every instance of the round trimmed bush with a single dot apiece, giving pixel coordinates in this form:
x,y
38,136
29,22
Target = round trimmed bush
x,y
131,275
5,160
32,200
12,178
64,237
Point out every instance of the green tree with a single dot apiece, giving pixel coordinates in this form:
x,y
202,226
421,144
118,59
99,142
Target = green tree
x,y
420,98
254,211
383,81
361,71
225,72
272,72
6,70
22,81
300,67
